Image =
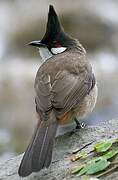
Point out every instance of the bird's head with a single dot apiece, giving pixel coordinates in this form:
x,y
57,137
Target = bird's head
x,y
55,40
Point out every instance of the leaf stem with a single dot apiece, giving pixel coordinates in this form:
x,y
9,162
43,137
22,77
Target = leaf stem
x,y
114,163
108,171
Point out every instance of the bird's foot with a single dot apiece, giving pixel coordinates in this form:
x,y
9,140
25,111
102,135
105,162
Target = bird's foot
x,y
79,125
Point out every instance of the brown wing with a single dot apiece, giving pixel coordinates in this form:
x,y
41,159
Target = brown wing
x,y
69,90
66,92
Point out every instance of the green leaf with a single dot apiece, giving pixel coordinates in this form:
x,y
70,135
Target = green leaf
x,y
94,160
83,170
107,155
110,154
97,166
103,146
94,167
77,169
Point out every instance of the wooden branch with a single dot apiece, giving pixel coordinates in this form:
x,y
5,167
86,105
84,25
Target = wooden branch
x,y
64,146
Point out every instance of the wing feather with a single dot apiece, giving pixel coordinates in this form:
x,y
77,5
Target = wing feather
x,y
65,93
69,90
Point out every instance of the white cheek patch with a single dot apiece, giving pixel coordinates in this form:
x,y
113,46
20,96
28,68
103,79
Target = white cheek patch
x,y
58,50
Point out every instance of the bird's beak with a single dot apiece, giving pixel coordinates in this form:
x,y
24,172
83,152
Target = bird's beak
x,y
36,44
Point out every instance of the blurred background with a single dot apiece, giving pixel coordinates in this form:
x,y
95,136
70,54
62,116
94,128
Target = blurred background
x,y
94,23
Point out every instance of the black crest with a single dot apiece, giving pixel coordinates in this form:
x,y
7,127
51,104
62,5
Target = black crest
x,y
54,28
54,33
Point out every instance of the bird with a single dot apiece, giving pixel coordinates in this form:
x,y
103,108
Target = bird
x,y
65,91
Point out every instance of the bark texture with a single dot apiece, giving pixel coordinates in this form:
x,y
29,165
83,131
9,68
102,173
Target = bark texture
x,y
64,145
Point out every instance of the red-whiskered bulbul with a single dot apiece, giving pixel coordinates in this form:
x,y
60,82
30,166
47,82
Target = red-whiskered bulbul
x,y
65,89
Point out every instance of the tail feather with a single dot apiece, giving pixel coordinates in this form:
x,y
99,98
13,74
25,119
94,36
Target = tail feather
x,y
39,153
37,146
26,163
49,156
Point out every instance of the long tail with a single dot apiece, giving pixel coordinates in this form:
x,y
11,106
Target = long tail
x,y
39,152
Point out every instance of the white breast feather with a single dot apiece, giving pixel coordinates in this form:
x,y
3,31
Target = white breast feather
x,y
45,53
